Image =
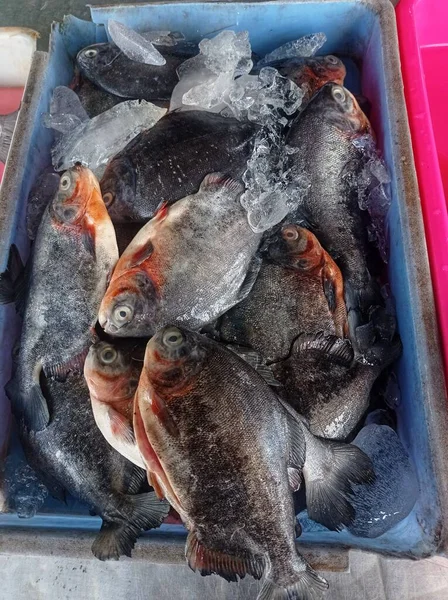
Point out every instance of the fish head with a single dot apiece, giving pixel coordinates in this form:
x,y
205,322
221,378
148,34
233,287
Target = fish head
x,y
130,305
341,110
296,247
118,186
315,72
96,59
79,207
112,370
174,358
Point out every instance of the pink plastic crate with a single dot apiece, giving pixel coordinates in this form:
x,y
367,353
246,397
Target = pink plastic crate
x,y
423,37
9,102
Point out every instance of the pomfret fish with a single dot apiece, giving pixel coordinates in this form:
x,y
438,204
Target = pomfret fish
x,y
299,290
192,262
107,67
73,256
112,372
170,160
71,452
325,137
228,454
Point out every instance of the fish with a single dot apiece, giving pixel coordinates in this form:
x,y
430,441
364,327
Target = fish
x,y
7,125
169,162
310,73
299,289
71,454
189,264
112,372
93,99
228,454
73,256
41,194
325,138
108,68
323,382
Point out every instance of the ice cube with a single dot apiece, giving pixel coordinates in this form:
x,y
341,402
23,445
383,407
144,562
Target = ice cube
x,y
94,142
66,111
133,45
210,94
227,52
392,496
305,46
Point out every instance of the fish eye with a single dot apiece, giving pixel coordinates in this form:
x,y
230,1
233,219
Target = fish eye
x,y
108,355
290,233
172,337
332,60
65,182
123,314
108,198
338,94
91,53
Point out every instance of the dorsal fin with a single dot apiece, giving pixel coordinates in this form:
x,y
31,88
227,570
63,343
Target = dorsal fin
x,y
334,348
216,181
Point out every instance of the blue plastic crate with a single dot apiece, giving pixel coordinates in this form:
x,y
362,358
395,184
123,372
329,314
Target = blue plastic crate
x,y
364,32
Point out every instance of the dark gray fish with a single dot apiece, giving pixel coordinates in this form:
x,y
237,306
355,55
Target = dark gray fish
x,y
108,68
94,99
170,160
321,381
73,256
228,453
189,264
301,292
40,196
325,136
71,452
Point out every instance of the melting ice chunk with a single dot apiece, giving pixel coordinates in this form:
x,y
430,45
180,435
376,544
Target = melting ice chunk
x,y
95,141
66,110
133,45
25,493
392,496
305,46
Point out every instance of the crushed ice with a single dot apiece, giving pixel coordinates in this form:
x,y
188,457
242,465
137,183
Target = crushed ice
x,y
304,47
93,142
133,45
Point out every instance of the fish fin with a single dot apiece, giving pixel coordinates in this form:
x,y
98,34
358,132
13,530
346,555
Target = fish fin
x,y
162,211
140,255
330,293
155,484
60,370
229,567
250,279
32,407
338,350
7,125
295,479
309,586
136,480
217,181
121,427
148,511
11,278
160,410
329,473
111,543
256,361
88,241
297,444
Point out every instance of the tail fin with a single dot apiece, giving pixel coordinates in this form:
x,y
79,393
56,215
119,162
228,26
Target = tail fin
x,y
141,512
7,125
309,586
330,470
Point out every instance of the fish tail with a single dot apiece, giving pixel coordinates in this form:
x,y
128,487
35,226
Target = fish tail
x,y
139,513
328,498
7,124
307,585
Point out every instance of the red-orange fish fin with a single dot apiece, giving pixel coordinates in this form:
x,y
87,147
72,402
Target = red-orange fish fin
x,y
162,211
333,285
121,427
88,238
155,484
160,410
230,567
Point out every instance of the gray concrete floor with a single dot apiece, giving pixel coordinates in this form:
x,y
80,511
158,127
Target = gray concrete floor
x,y
44,578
